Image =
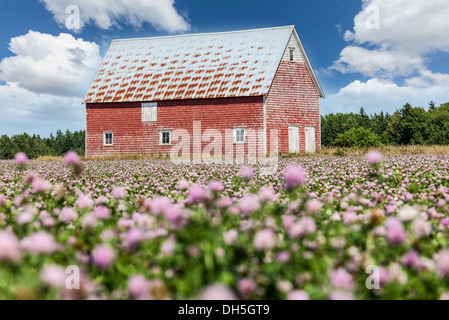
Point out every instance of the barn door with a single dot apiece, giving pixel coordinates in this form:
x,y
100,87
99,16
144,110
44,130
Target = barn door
x,y
310,140
293,139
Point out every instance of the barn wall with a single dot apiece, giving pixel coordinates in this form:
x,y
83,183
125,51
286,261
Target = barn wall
x,y
293,100
132,136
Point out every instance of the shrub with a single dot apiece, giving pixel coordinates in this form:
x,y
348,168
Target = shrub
x,y
358,137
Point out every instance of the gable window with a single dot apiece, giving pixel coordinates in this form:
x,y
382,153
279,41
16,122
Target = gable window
x,y
165,137
292,51
239,135
108,138
149,112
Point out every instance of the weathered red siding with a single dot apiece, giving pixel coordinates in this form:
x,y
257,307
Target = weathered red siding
x,y
293,100
132,136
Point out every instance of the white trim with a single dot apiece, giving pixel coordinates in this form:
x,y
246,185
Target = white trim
x,y
265,147
161,132
291,54
149,105
85,131
309,66
235,135
104,138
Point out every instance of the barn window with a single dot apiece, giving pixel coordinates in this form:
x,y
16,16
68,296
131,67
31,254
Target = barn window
x,y
292,51
165,137
108,139
149,112
239,135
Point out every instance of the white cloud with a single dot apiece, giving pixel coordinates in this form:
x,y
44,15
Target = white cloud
x,y
377,95
45,82
427,78
58,65
395,57
106,14
26,111
374,63
413,26
408,32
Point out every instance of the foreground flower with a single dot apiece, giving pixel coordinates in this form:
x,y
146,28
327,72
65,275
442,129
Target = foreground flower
x,y
9,246
138,286
182,185
374,157
230,236
442,261
71,158
39,243
118,193
341,279
173,214
308,225
298,295
395,231
266,194
313,205
88,221
294,177
407,213
40,185
102,213
246,173
421,228
246,288
68,215
249,204
134,237
216,186
264,240
168,247
196,194
54,275
20,158
103,256
217,292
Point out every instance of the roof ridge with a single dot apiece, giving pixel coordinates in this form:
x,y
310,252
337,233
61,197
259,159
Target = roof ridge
x,y
205,33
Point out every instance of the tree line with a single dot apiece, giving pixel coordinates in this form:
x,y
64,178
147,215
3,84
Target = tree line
x,y
35,146
406,126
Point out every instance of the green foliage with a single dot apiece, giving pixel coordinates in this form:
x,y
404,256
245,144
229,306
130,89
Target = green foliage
x,y
35,146
358,137
407,126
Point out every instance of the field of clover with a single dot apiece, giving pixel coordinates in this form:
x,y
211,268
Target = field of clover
x,y
319,228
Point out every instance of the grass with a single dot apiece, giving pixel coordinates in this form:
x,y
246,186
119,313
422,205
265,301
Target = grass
x,y
325,152
387,150
49,158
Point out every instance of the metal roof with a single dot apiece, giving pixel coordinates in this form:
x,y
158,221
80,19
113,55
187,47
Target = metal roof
x,y
195,66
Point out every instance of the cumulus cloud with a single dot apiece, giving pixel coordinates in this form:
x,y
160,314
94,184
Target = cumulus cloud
x,y
428,78
26,111
409,30
413,26
59,65
377,95
161,14
45,81
394,57
386,63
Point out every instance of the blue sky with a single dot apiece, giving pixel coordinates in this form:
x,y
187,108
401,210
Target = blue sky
x,y
45,68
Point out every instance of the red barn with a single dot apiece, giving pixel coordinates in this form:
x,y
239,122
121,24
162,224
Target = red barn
x,y
257,80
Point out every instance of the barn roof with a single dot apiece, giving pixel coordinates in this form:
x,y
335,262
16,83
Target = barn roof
x,y
195,66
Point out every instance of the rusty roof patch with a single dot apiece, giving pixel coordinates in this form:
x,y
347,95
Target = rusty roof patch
x,y
197,66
